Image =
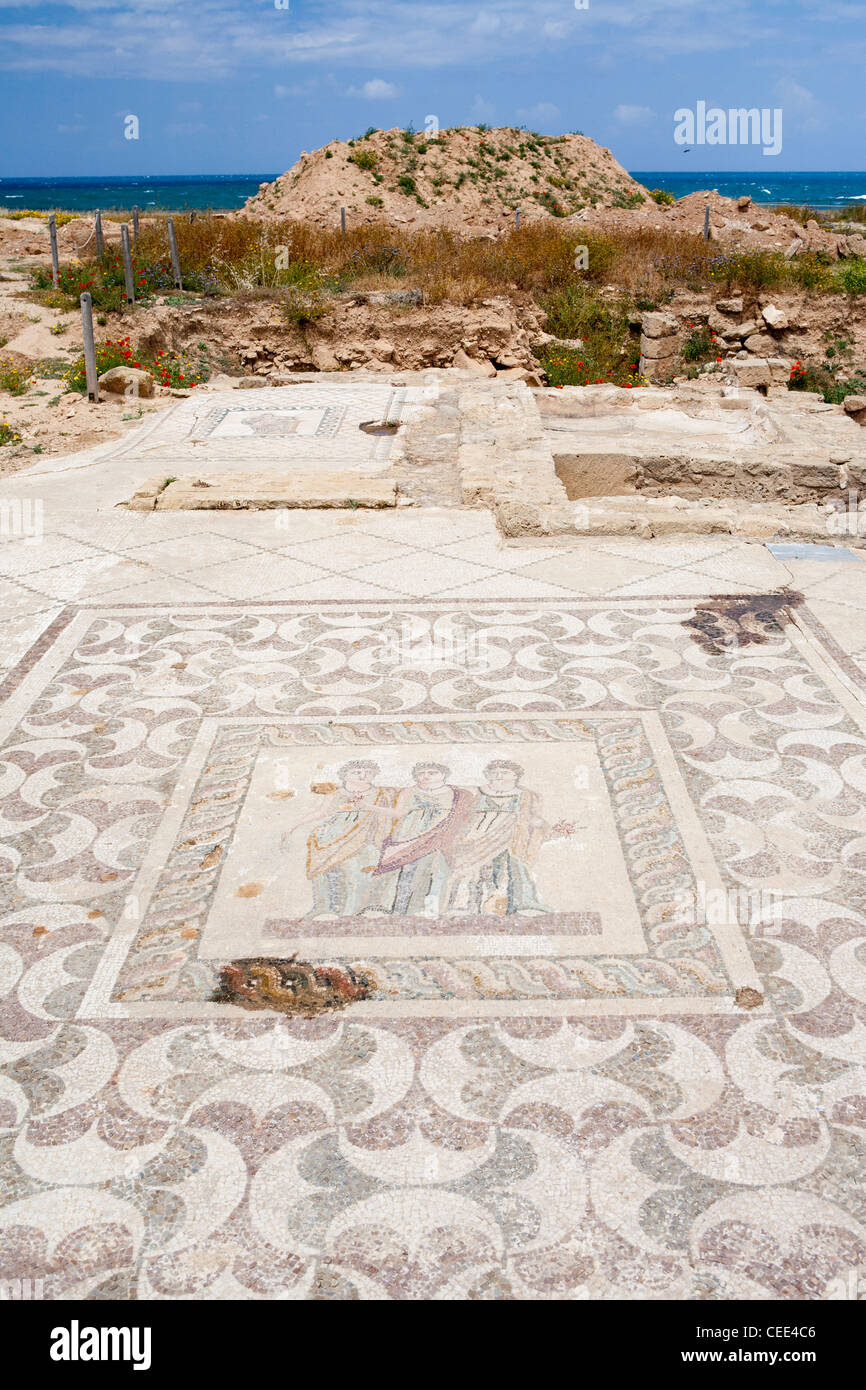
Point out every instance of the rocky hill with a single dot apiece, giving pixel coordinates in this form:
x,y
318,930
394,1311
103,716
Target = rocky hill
x,y
469,178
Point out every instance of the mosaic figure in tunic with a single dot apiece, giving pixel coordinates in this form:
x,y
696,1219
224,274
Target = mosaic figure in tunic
x,y
415,861
498,847
344,846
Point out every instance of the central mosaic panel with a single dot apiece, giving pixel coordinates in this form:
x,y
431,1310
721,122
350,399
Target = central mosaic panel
x,y
453,862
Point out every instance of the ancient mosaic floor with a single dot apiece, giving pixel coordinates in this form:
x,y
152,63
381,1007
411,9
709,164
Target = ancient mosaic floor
x,y
315,426
582,843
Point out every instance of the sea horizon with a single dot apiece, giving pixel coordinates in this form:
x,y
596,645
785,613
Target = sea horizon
x,y
821,189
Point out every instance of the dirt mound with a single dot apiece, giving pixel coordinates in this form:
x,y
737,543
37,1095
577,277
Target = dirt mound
x,y
470,179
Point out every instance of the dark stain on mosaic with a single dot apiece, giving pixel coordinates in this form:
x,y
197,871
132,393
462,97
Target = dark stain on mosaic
x,y
726,623
290,986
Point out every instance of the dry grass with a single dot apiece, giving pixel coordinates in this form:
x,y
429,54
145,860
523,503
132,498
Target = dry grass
x,y
236,255
537,259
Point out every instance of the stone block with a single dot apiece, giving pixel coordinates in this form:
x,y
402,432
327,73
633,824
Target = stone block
x,y
659,325
780,370
753,373
774,318
520,374
127,381
465,363
760,343
658,348
818,477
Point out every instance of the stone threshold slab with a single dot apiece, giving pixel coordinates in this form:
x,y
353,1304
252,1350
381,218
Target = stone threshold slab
x,y
259,492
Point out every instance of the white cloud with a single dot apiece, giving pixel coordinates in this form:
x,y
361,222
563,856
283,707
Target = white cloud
x,y
296,89
634,115
483,110
543,113
169,41
377,89
166,40
801,104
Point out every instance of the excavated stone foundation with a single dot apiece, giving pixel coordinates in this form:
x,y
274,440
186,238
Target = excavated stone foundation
x,y
574,461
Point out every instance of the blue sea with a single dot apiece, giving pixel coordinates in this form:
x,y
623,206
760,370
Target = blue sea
x,y
815,190
177,192
168,192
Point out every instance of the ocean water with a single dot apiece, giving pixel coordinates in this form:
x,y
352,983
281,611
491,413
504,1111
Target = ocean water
x,y
817,190
177,193
171,193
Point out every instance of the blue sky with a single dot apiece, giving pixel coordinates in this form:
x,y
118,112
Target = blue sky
x,y
237,86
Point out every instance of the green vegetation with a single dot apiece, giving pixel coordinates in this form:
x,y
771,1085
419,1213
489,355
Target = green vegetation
x,y
551,203
851,275
8,434
169,369
609,353
836,377
364,159
701,345
13,378
628,200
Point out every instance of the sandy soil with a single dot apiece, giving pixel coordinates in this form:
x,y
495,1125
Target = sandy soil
x,y
50,419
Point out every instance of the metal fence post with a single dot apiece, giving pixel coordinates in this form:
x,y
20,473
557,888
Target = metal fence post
x,y
343,221
55,260
89,347
707,223
135,226
175,258
127,264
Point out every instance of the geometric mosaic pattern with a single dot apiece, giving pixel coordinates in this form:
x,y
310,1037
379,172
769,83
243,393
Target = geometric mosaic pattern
x,y
585,1111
